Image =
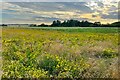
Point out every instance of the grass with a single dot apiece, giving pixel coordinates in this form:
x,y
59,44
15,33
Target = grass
x,y
93,30
76,29
60,53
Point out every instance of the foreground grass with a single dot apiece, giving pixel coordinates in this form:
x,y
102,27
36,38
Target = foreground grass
x,y
61,53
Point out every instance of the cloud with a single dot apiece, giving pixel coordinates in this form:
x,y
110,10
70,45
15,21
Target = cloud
x,y
39,12
106,1
112,15
106,9
94,15
14,7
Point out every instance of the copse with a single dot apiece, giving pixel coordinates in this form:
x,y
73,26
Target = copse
x,y
43,25
76,23
71,23
56,23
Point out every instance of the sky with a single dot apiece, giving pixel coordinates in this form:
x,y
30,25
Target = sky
x,y
42,11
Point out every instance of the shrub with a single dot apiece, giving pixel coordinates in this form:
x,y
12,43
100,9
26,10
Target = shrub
x,y
57,66
20,71
48,63
107,53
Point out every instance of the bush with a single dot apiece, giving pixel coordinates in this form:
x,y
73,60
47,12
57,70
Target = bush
x,y
48,63
20,71
57,66
107,53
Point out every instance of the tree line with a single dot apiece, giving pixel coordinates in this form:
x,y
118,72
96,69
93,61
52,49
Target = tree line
x,y
74,23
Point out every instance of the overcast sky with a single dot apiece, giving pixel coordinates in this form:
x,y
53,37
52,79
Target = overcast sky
x,y
105,11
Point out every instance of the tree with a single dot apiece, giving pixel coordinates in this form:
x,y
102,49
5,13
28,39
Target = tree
x,y
56,23
4,24
76,23
33,25
43,25
97,24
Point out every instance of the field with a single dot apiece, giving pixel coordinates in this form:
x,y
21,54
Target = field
x,y
60,53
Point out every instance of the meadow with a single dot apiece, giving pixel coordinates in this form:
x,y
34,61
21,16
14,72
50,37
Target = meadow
x,y
60,53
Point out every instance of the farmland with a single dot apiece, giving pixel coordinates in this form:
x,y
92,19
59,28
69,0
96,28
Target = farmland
x,y
60,53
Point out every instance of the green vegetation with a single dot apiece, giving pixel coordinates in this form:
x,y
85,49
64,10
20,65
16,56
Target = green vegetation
x,y
76,23
70,23
60,53
85,30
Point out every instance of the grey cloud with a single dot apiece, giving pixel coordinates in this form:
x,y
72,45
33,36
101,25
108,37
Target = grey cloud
x,y
100,4
110,16
54,11
50,18
48,0
53,6
113,8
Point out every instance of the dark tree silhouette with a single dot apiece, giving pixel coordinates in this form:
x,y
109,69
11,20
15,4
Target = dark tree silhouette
x,y
76,23
56,23
43,25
